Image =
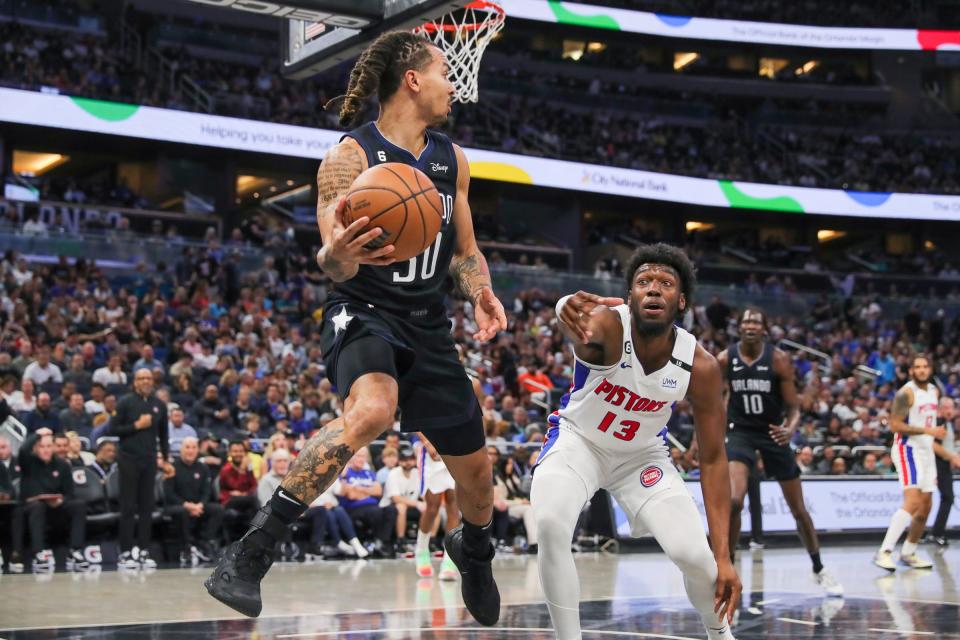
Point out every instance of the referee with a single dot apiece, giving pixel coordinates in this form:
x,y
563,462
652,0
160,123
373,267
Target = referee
x,y
141,421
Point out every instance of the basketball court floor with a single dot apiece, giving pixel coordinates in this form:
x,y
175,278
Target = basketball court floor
x,y
638,595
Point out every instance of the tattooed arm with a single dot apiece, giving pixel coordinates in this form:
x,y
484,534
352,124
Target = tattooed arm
x,y
899,412
468,267
343,249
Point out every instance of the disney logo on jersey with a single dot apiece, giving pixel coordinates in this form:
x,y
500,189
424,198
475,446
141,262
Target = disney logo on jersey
x,y
436,167
617,396
669,383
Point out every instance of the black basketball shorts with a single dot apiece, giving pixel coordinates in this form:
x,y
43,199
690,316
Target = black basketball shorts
x,y
779,462
435,394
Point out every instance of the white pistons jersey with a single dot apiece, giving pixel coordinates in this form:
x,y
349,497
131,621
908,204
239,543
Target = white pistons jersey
x,y
923,413
621,407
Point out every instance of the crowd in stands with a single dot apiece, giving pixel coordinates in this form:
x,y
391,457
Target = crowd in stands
x,y
235,358
720,144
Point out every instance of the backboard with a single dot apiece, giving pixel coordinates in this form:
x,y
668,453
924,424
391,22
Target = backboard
x,y
312,46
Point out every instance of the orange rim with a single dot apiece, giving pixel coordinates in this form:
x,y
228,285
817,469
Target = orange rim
x,y
500,14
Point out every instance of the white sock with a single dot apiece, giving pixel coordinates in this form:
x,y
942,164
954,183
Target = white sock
x,y
423,541
908,548
557,496
898,524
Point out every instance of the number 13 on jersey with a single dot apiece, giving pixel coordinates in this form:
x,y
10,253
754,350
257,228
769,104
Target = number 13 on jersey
x,y
428,259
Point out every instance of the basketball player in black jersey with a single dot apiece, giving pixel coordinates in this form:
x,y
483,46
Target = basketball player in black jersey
x,y
385,337
762,414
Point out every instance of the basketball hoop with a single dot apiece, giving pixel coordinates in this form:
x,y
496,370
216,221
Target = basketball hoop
x,y
463,37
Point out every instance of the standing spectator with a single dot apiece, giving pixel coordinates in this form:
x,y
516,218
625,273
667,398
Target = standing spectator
x,y
105,459
112,373
402,490
75,418
948,460
41,370
43,415
179,430
238,485
192,505
141,425
46,493
360,498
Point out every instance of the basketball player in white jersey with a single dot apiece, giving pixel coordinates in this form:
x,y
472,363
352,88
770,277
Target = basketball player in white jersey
x,y
436,487
913,420
631,365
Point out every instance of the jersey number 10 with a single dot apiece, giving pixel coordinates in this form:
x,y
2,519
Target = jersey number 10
x,y
428,264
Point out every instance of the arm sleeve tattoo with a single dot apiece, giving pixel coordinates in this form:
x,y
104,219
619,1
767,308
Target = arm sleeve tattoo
x,y
470,274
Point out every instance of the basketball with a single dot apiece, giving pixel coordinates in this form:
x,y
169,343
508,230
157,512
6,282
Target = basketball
x,y
402,201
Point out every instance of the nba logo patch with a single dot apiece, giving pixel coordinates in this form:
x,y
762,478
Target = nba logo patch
x,y
650,476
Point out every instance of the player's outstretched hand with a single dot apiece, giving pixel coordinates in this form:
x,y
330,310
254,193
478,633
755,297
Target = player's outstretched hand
x,y
579,307
349,245
781,435
727,597
489,314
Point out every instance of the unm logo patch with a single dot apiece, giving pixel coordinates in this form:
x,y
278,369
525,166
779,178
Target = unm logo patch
x,y
650,476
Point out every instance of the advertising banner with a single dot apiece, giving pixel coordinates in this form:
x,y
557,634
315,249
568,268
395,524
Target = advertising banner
x,y
834,505
671,26
253,136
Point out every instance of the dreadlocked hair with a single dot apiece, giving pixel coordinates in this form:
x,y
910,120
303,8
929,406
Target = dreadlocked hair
x,y
670,256
380,69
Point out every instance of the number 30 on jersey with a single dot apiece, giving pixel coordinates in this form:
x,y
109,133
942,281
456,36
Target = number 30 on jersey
x,y
428,259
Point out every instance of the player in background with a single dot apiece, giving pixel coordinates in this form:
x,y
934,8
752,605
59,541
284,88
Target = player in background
x,y
385,336
437,488
763,411
631,365
913,420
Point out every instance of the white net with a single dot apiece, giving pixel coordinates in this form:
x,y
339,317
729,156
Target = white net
x,y
463,36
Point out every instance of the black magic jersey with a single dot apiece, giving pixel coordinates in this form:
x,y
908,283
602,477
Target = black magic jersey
x,y
413,287
755,398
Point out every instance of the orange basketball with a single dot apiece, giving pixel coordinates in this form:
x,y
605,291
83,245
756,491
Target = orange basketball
x,y
402,201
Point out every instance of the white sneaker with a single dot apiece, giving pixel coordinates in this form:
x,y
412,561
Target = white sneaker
x,y
915,562
829,584
756,546
43,561
146,562
16,563
345,548
884,560
76,561
358,547
126,562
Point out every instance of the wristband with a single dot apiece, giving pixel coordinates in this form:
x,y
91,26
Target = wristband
x,y
562,301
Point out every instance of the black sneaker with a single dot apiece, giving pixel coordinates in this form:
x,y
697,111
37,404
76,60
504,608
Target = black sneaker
x,y
477,586
236,580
